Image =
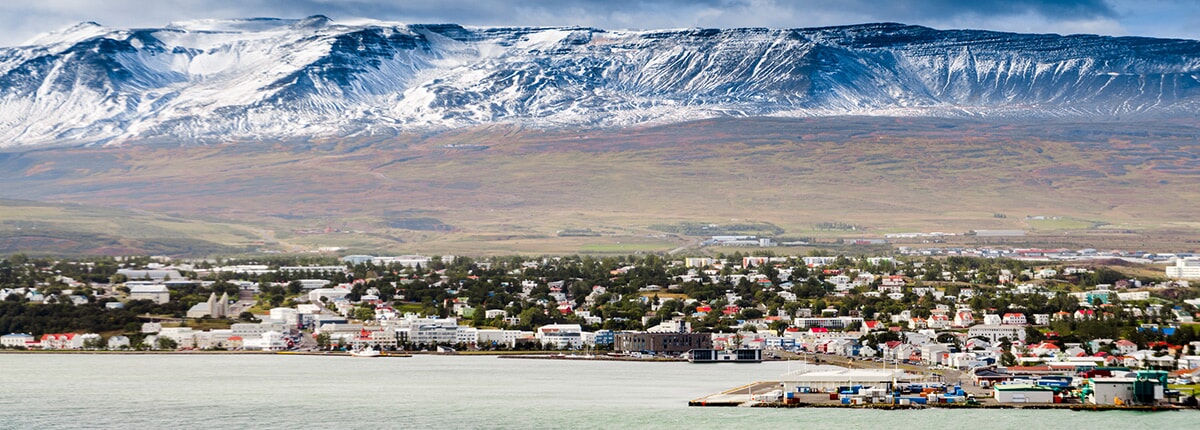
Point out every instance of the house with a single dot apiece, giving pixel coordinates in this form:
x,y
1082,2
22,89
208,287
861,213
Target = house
x,y
963,319
991,319
892,281
938,322
1044,348
1075,351
916,323
118,342
62,341
17,340
1085,314
1013,318
935,353
1041,319
1125,347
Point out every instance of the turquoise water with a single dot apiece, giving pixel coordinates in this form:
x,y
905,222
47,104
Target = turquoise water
x,y
265,391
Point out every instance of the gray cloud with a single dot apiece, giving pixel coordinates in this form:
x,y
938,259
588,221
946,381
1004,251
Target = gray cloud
x,y
22,20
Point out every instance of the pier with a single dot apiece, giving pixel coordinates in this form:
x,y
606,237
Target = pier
x,y
759,394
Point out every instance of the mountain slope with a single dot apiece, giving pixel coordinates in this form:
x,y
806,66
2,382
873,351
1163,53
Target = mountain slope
x,y
261,79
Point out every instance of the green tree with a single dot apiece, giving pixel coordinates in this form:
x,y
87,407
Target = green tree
x,y
166,343
364,313
1008,359
94,343
323,341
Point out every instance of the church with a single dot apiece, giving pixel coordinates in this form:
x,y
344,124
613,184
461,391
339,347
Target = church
x,y
214,307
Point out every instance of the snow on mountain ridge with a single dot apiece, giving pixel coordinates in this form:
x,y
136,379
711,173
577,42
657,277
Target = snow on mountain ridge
x,y
264,78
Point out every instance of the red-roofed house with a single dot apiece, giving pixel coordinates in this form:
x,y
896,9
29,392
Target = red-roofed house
x,y
963,319
916,323
938,322
1013,318
1044,348
1125,347
61,341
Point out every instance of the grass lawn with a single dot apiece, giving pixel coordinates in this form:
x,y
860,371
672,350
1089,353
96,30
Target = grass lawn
x,y
1187,390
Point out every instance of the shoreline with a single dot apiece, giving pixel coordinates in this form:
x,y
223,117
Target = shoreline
x,y
192,352
592,358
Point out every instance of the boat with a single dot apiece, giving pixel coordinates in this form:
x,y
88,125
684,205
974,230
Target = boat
x,y
365,352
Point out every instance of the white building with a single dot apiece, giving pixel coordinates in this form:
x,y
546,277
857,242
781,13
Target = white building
x,y
671,326
288,316
15,340
507,338
330,294
1134,296
1022,393
156,293
428,331
1185,268
118,342
156,275
184,337
993,333
466,335
561,336
1013,318
269,341
248,331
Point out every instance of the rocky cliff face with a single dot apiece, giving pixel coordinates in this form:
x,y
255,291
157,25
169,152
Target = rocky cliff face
x,y
203,81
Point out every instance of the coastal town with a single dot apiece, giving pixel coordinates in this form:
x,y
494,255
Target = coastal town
x,y
983,327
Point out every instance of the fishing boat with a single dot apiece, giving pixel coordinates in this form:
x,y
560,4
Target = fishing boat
x,y
365,352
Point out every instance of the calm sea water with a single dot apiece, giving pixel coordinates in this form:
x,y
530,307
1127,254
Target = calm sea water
x,y
262,391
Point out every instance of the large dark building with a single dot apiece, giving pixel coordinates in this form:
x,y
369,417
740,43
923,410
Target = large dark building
x,y
662,343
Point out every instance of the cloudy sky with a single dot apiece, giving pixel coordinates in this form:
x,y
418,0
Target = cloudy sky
x,y
22,19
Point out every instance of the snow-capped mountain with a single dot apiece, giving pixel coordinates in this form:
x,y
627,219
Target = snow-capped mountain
x,y
215,80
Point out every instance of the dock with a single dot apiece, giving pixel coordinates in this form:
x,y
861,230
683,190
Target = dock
x,y
745,395
757,395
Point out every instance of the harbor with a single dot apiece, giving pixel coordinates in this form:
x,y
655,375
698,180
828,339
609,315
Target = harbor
x,y
890,389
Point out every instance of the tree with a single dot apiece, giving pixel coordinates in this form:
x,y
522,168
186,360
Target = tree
x,y
94,343
247,316
323,341
1008,359
363,313
166,343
